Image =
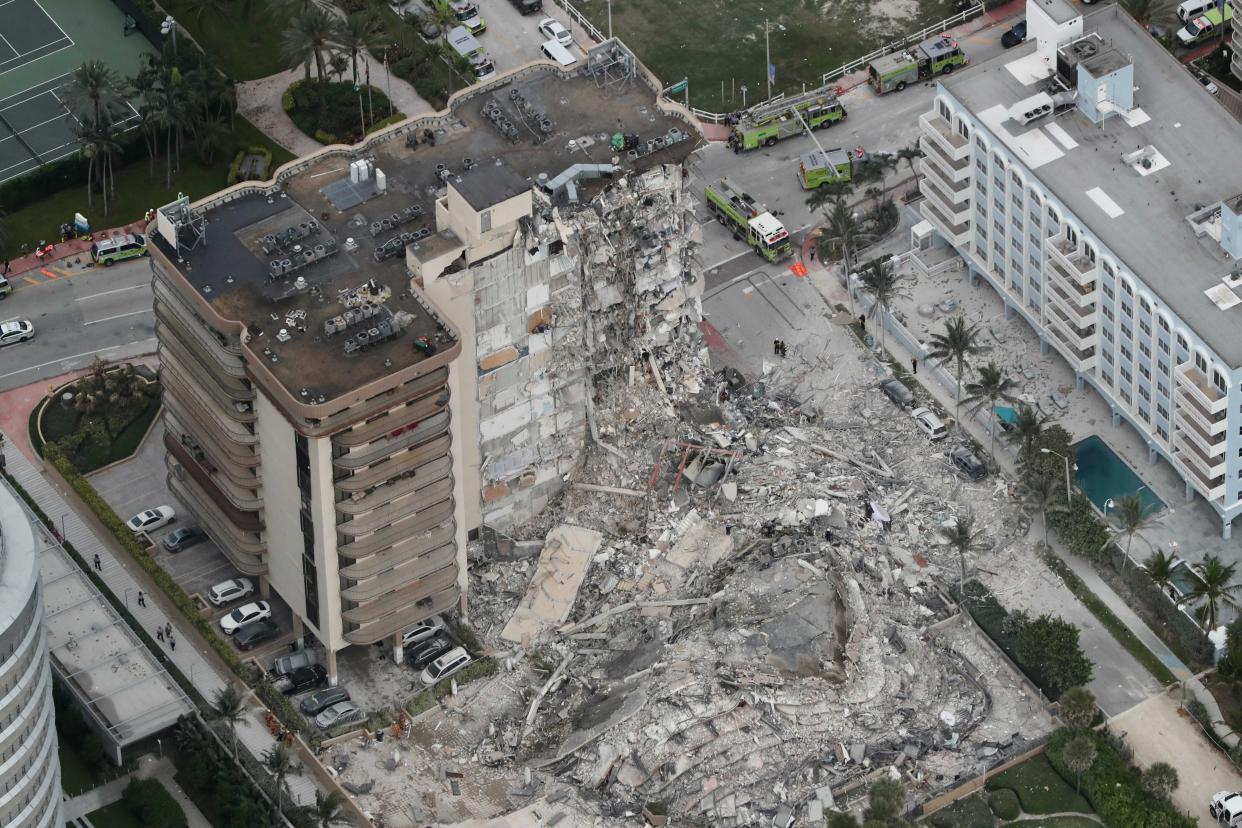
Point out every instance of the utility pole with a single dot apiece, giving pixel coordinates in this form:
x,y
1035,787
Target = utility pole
x,y
767,51
610,19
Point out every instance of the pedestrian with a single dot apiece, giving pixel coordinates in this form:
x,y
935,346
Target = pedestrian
x,y
168,629
142,599
862,322
914,364
172,643
159,633
728,527
776,347
98,563
812,253
6,267
784,348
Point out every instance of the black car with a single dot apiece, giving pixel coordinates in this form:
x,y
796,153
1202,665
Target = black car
x,y
968,463
304,678
321,700
249,636
183,538
897,391
428,651
1015,35
527,6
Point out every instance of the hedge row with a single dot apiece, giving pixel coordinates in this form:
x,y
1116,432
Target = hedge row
x,y
1114,788
235,167
425,700
394,118
151,802
288,715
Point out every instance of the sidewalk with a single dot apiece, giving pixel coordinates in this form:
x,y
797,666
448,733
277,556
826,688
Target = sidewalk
x,y
124,579
149,768
65,250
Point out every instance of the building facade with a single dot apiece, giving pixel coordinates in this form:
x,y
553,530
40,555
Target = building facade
x,y
1068,176
30,794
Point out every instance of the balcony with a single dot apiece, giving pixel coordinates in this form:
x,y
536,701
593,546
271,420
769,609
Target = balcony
x,y
402,575
413,504
1080,359
237,406
956,211
1210,446
949,168
360,504
382,402
412,435
393,467
398,620
1200,390
187,396
397,534
395,419
1076,267
1071,301
246,550
196,460
941,132
405,597
195,333
955,233
411,548
1082,335
1212,488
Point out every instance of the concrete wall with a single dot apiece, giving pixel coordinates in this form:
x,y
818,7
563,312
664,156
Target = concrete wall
x,y
282,532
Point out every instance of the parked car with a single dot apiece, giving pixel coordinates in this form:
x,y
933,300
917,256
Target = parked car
x,y
339,714
287,663
424,23
249,636
428,651
16,330
553,30
965,461
1015,35
1209,84
303,679
445,666
929,423
183,538
151,519
231,590
321,700
1226,807
897,391
422,631
256,611
527,6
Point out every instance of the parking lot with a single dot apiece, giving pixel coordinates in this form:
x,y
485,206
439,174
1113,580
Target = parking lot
x,y
140,483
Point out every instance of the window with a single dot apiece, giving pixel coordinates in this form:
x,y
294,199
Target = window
x,y
1163,345
1126,289
998,183
1181,342
1162,323
1201,362
1164,435
1219,379
999,205
1145,349
1144,393
1145,327
1108,313
1108,335
1145,371
982,187
1162,411
1090,253
1162,389
1108,291
1125,331
998,162
943,109
1072,235
1144,304
980,144
982,164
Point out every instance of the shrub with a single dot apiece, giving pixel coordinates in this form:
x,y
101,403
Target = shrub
x,y
333,109
424,701
286,98
153,804
395,118
1081,529
235,167
1004,803
324,138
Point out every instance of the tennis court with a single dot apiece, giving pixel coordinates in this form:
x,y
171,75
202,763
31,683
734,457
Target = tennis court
x,y
41,43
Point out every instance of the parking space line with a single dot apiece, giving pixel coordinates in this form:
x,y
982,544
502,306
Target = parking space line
x,y
119,316
109,292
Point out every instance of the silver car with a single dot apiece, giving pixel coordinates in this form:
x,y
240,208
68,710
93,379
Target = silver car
x,y
341,713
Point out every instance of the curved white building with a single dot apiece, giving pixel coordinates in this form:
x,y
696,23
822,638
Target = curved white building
x,y
30,794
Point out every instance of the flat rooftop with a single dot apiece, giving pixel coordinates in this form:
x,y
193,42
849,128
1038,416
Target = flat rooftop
x,y
553,122
1141,218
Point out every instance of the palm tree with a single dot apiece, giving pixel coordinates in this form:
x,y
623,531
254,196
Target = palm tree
x,y
218,8
958,342
1077,707
1043,493
991,387
1079,755
1160,569
91,92
330,809
963,537
361,32
213,137
885,283
911,154
842,227
1214,584
307,39
1149,13
279,762
1026,429
230,708
1131,516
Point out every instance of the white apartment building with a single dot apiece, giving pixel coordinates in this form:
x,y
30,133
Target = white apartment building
x,y
1087,177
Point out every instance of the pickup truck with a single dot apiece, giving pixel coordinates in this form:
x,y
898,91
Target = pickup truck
x,y
527,6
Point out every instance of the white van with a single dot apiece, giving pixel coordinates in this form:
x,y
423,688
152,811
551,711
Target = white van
x,y
1190,9
555,51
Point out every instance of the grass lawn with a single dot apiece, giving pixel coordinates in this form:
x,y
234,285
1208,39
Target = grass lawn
x,y
59,421
116,815
715,42
136,192
1228,695
244,49
968,812
1040,789
1055,822
76,776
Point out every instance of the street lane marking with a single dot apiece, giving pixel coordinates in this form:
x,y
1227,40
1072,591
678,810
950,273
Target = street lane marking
x,y
56,361
109,292
119,316
32,280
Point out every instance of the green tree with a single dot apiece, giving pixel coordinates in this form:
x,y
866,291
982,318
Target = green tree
x,y
361,32
1160,780
842,228
885,283
1160,14
886,802
964,537
1049,647
1232,663
279,763
958,342
1160,568
1130,516
93,92
1058,441
911,154
229,707
217,9
1026,428
992,387
1079,755
1077,707
310,37
1215,584
330,809
1043,494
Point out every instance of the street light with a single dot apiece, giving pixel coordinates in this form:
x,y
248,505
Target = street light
x,y
1068,491
63,536
169,28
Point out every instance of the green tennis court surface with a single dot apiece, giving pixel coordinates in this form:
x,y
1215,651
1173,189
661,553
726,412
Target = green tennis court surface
x,y
41,42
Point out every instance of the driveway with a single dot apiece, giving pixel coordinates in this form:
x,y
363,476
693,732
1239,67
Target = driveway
x,y
1159,731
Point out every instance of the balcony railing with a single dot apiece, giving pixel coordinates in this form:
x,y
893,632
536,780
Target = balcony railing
x,y
952,169
1211,446
410,436
421,500
403,574
1070,301
400,487
1081,359
941,132
395,419
957,211
1202,391
1212,488
393,467
1078,269
398,620
956,233
413,546
244,549
397,534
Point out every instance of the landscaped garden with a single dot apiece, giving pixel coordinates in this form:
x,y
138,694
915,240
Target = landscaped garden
x,y
336,113
144,803
100,418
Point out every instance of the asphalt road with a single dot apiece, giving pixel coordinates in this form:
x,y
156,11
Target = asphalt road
x,y
88,312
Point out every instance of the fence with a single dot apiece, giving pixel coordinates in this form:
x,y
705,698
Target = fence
x,y
827,78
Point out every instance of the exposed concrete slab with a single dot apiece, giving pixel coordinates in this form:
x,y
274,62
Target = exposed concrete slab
x,y
567,553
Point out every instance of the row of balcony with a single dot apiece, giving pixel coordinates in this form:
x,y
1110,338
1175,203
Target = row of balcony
x,y
431,401
402,574
1079,268
385,447
393,467
411,547
1079,358
234,407
435,381
244,547
397,536
359,503
387,618
193,329
396,510
955,232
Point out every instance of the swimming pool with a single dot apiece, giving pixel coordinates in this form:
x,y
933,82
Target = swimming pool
x,y
1104,476
1183,579
1008,416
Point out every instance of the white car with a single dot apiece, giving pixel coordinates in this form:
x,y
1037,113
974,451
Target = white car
x,y
256,611
151,519
1225,805
929,423
553,30
1209,84
16,330
445,666
228,591
422,631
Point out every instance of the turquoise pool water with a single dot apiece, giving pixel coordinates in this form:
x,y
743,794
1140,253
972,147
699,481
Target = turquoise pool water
x,y
1102,476
1183,580
1006,414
